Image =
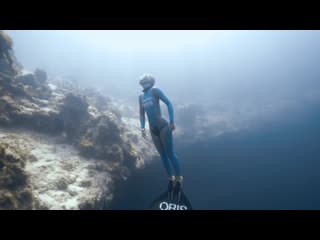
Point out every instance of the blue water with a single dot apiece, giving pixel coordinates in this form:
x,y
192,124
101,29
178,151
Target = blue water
x,y
274,165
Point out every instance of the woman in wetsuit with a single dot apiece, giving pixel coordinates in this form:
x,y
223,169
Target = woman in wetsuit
x,y
160,129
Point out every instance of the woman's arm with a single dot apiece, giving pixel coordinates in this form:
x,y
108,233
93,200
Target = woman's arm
x,y
142,113
164,98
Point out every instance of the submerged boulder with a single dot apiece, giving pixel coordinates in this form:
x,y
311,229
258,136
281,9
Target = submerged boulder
x,y
28,79
8,86
100,135
74,112
104,139
15,192
8,63
35,84
40,75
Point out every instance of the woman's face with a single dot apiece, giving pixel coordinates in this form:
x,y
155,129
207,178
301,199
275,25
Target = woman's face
x,y
145,85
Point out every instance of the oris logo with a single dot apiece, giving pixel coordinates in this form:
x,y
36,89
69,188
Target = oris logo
x,y
171,206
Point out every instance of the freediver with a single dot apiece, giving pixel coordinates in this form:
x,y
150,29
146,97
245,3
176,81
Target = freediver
x,y
161,131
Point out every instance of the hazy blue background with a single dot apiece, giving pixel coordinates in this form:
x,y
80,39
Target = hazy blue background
x,y
258,89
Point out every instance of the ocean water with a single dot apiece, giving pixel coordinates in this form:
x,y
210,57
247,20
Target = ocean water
x,y
273,165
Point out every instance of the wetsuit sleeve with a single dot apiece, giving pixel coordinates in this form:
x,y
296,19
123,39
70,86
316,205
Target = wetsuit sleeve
x,y
157,92
142,113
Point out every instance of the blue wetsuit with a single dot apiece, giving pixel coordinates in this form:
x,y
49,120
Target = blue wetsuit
x,y
161,132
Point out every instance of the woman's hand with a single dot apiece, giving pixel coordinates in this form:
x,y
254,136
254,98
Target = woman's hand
x,y
172,126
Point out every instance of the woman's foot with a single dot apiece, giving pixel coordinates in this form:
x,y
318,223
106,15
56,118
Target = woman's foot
x,y
177,188
171,187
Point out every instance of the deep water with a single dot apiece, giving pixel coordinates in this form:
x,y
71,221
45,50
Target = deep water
x,y
273,165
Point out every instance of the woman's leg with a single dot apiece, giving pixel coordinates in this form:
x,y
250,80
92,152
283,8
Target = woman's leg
x,y
167,141
160,148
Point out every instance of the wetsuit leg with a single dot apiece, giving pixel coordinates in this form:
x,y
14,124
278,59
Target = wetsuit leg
x,y
157,142
167,141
